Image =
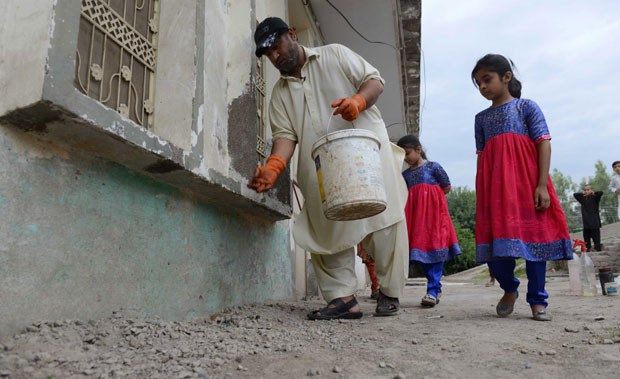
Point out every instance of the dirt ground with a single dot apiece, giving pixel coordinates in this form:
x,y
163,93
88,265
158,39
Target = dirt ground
x,y
460,338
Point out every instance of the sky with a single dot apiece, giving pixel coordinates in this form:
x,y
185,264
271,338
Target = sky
x,y
567,54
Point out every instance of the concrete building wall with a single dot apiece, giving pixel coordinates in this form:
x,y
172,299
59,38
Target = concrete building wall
x,y
98,213
176,73
81,237
410,20
23,65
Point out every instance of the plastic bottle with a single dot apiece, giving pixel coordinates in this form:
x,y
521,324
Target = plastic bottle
x,y
574,268
588,276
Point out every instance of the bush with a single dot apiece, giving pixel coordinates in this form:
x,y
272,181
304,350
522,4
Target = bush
x,y
467,259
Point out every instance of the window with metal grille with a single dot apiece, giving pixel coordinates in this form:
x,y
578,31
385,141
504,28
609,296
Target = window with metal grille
x,y
116,55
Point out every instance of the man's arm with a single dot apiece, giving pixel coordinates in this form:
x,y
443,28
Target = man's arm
x,y
367,95
362,76
371,90
284,148
578,196
597,196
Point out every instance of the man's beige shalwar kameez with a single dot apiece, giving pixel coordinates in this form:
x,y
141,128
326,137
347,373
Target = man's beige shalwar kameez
x,y
299,111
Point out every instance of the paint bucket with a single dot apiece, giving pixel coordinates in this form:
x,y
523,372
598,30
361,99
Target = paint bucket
x,y
348,166
605,275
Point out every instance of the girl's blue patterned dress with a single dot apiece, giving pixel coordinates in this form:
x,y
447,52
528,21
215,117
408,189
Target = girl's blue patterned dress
x,y
432,237
507,224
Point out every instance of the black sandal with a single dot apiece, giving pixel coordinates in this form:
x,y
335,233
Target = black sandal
x,y
387,306
341,310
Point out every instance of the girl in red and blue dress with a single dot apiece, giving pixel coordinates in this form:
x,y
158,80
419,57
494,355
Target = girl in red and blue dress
x,y
518,214
432,239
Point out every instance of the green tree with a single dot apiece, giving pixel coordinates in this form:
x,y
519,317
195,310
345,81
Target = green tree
x,y
462,207
565,188
467,259
600,182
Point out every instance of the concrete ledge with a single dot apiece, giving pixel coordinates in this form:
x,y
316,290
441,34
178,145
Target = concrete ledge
x,y
156,158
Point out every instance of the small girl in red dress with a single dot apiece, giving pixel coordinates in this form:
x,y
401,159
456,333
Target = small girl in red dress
x,y
518,214
432,239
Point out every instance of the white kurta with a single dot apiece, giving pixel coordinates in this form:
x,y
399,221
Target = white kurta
x,y
614,185
300,110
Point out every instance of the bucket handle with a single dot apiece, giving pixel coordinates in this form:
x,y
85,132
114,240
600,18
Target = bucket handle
x,y
330,121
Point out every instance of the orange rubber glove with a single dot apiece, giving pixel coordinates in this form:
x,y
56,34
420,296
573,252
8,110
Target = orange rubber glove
x,y
350,107
265,176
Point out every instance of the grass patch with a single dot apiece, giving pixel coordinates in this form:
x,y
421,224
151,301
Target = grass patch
x,y
483,276
520,268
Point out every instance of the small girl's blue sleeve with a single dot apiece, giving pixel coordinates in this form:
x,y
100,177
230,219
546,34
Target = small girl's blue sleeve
x,y
441,176
406,177
479,135
535,121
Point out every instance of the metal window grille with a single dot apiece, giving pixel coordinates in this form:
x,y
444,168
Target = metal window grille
x,y
260,94
116,55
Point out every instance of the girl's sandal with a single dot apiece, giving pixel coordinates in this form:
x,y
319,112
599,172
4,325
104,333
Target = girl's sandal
x,y
541,316
504,310
429,301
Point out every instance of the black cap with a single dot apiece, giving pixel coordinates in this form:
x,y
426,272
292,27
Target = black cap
x,y
267,32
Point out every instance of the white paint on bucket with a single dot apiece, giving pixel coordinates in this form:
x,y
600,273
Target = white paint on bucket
x,y
348,166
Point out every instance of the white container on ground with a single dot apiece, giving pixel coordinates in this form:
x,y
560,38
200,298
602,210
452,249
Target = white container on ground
x,y
611,289
574,281
348,166
588,276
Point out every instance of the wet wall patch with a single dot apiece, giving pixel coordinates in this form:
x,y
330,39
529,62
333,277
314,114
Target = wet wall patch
x,y
242,135
163,166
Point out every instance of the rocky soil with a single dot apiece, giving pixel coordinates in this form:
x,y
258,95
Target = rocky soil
x,y
459,338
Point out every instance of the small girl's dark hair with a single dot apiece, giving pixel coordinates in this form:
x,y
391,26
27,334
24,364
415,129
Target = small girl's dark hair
x,y
500,64
411,142
614,164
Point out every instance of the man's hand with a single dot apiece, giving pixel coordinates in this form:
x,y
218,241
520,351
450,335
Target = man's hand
x,y
542,200
265,176
350,107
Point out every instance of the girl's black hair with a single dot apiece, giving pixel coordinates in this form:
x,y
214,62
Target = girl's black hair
x,y
411,142
500,64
